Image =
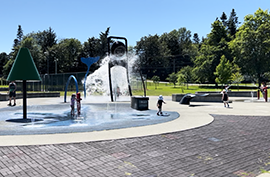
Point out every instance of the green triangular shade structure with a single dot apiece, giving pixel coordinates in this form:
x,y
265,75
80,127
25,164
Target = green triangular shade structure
x,y
23,67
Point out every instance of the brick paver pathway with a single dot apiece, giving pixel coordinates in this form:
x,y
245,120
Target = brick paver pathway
x,y
231,146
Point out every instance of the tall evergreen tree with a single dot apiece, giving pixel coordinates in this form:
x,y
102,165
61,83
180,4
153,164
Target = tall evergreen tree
x,y
19,34
211,51
18,40
232,23
46,39
16,43
196,38
153,56
223,19
103,38
50,37
91,47
3,61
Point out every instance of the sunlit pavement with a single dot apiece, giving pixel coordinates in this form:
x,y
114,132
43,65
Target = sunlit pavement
x,y
236,144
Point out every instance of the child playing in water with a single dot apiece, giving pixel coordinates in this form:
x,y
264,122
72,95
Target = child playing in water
x,y
78,99
72,103
159,105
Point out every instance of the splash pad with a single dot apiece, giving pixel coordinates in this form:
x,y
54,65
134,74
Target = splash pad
x,y
115,114
98,112
56,118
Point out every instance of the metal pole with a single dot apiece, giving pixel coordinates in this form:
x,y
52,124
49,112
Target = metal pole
x,y
55,66
24,100
47,64
110,80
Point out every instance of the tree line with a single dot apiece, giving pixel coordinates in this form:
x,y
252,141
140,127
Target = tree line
x,y
49,53
231,52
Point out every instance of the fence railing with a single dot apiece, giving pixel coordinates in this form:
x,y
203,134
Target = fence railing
x,y
57,82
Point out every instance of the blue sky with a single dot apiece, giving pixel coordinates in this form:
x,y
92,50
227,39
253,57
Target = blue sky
x,y
134,19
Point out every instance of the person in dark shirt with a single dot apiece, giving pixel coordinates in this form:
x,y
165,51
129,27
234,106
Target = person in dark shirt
x,y
225,98
12,92
159,105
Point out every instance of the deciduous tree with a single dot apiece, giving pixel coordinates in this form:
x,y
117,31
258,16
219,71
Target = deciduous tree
x,y
172,78
251,47
156,80
185,75
223,71
210,53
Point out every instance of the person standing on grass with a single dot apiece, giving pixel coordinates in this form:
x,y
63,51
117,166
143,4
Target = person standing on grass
x,y
159,105
12,93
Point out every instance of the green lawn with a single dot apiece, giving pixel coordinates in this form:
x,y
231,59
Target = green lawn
x,y
169,89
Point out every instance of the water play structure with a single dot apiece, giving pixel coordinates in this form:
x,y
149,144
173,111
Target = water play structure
x,y
116,60
107,81
88,61
119,50
76,84
23,69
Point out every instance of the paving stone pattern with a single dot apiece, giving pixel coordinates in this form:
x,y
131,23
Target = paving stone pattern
x,y
231,146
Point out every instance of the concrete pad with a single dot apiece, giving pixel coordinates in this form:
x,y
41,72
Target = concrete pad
x,y
193,116
196,115
188,119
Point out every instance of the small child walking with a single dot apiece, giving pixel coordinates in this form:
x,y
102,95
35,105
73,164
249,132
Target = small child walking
x,y
78,99
225,98
72,104
12,93
159,105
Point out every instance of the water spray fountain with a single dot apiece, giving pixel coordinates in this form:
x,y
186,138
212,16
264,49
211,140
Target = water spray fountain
x,y
119,50
88,61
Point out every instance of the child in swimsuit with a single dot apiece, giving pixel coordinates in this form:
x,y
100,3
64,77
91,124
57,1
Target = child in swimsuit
x,y
72,104
78,99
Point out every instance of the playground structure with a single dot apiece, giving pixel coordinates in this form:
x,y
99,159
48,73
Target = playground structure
x,y
120,115
76,84
118,49
56,118
24,69
188,97
88,61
